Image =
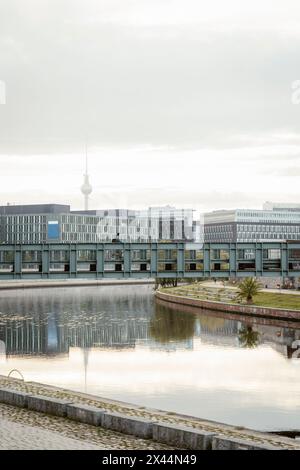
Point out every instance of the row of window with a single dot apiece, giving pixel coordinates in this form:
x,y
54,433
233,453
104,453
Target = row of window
x,y
268,216
269,228
23,219
131,236
23,239
254,237
218,228
26,228
135,266
145,254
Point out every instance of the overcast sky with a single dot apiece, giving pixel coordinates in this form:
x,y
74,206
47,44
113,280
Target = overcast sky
x,y
186,103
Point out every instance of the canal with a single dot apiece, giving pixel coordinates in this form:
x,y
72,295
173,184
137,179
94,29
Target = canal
x,y
118,342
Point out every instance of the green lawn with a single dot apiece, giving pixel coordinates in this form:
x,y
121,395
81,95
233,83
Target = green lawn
x,y
266,299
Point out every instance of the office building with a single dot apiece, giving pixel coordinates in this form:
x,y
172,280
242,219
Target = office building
x,y
250,225
281,206
44,223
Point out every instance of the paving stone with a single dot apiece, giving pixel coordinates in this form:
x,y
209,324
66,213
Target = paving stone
x,y
85,414
150,416
15,436
52,432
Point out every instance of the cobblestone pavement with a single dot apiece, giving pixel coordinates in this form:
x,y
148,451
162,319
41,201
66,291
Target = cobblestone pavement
x,y
131,410
15,436
25,430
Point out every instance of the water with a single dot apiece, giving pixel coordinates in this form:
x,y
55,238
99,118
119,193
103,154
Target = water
x,y
119,343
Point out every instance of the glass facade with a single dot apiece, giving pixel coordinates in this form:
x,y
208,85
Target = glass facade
x,y
153,224
23,229
246,254
272,260
167,260
250,226
193,254
31,261
219,254
294,259
7,259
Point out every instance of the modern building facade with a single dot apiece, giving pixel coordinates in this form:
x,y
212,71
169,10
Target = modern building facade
x,y
281,206
150,260
249,225
50,223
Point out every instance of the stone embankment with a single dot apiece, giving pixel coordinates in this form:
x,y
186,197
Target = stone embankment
x,y
148,425
254,311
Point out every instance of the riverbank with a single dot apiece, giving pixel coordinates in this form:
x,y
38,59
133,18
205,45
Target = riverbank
x,y
165,425
24,429
32,284
224,300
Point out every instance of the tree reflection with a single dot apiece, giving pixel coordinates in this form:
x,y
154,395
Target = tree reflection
x,y
169,325
211,323
248,338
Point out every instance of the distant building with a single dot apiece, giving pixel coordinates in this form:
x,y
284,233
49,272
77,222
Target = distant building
x,y
250,225
44,223
32,223
281,206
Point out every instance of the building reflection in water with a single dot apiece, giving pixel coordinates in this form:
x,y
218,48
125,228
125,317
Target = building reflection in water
x,y
118,342
2,351
46,323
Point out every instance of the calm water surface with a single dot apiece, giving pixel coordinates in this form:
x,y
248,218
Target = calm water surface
x,y
117,342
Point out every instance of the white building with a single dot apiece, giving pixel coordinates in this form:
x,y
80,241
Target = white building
x,y
250,225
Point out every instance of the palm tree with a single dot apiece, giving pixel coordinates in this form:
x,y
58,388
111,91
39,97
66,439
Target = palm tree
x,y
248,288
247,337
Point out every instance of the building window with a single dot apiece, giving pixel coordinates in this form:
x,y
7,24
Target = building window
x,y
272,253
219,254
193,266
86,255
167,255
113,255
193,254
247,253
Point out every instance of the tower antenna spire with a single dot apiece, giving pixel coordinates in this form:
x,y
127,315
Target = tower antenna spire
x,y
86,158
86,188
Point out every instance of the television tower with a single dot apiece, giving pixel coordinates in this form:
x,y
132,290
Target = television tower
x,y
86,188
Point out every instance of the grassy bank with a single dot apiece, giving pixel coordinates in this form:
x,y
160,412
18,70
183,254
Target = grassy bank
x,y
269,299
228,295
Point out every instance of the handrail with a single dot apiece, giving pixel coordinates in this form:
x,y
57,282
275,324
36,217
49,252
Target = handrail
x,y
16,370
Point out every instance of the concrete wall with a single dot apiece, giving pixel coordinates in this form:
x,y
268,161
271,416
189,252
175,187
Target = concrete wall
x,y
229,443
51,406
85,414
138,427
232,308
180,436
174,435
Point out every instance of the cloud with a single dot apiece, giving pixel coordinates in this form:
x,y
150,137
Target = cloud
x,y
290,172
194,97
139,176
121,84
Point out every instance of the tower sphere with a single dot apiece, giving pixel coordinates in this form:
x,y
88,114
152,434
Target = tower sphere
x,y
86,188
